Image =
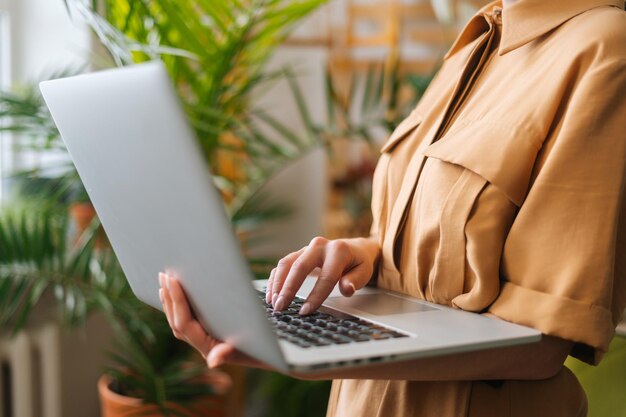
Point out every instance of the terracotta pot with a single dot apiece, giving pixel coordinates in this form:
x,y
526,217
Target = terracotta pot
x,y
116,405
83,214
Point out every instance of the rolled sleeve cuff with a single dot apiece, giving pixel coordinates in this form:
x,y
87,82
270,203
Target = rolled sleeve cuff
x,y
557,316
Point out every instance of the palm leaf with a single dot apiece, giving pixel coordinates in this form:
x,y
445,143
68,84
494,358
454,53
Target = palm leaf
x,y
35,258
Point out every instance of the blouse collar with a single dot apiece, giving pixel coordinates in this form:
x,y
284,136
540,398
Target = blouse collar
x,y
526,20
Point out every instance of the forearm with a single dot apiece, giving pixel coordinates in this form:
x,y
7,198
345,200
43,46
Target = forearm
x,y
533,361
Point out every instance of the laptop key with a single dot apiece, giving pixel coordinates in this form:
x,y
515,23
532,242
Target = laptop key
x,y
308,319
320,341
323,328
337,338
317,329
361,339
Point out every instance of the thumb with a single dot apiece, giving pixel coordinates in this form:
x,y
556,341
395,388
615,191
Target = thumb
x,y
219,355
355,279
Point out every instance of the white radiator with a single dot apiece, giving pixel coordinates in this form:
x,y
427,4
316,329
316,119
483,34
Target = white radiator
x,y
30,374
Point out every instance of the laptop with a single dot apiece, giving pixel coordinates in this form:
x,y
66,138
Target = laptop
x,y
153,192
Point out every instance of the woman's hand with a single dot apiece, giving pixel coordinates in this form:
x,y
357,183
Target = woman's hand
x,y
188,329
348,262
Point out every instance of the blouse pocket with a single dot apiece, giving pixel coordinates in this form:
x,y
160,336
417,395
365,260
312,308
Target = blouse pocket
x,y
489,155
503,155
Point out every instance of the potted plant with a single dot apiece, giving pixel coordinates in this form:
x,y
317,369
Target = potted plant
x,y
156,375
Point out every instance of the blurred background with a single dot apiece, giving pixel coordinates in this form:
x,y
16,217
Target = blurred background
x,y
290,102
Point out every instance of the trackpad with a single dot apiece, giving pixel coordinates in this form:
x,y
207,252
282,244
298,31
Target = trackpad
x,y
379,304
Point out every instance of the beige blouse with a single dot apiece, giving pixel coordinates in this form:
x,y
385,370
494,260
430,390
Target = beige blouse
x,y
502,192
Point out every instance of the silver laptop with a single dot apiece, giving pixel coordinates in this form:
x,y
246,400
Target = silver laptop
x,y
153,192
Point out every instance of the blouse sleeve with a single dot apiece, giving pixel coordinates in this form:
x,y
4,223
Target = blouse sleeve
x,y
563,266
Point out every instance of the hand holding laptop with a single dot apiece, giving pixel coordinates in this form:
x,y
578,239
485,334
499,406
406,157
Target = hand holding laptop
x,y
186,328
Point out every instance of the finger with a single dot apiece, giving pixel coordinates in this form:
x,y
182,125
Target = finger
x,y
268,287
182,311
282,270
226,353
220,354
169,315
355,279
337,258
184,322
312,257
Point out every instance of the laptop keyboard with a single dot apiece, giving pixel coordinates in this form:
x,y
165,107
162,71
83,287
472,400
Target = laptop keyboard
x,y
324,327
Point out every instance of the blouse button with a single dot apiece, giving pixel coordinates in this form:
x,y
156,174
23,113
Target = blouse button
x,y
497,15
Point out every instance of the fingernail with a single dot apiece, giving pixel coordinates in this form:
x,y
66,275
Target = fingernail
x,y
168,282
280,303
161,279
306,309
161,297
268,297
351,285
211,362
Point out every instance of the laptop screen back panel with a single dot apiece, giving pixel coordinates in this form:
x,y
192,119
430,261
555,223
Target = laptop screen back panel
x,y
153,192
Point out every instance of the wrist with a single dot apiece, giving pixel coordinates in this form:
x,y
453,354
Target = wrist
x,y
368,247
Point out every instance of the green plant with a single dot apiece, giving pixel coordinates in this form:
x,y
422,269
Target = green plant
x,y
37,257
215,51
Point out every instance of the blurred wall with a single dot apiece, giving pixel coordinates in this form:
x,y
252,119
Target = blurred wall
x,y
43,38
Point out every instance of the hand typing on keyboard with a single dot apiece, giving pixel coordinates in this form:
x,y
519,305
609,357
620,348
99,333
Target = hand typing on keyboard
x,y
347,262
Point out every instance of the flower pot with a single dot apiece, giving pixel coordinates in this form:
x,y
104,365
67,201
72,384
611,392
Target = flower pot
x,y
113,404
82,215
